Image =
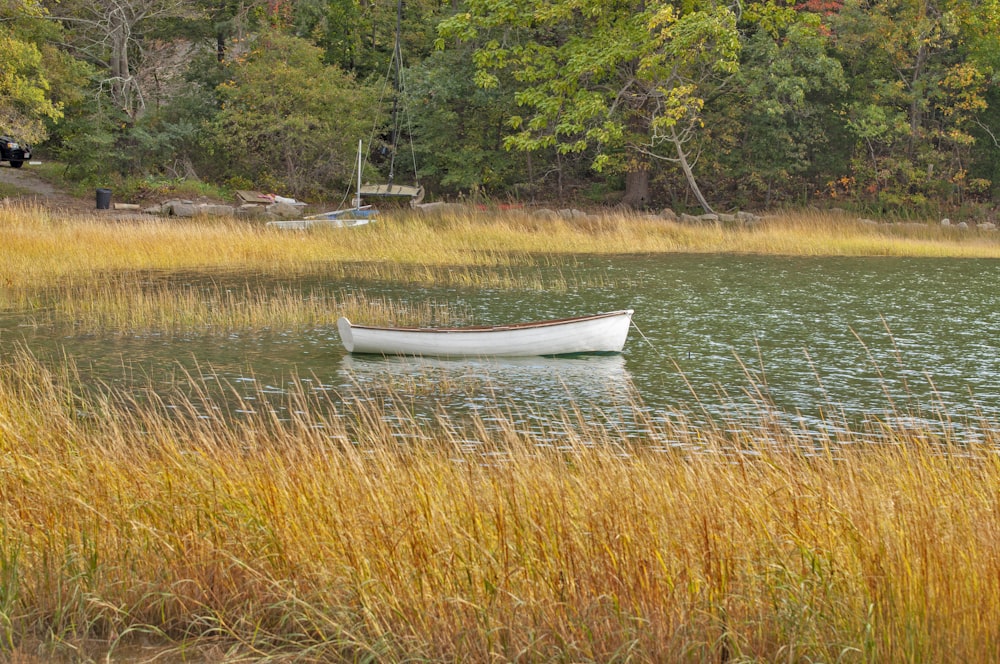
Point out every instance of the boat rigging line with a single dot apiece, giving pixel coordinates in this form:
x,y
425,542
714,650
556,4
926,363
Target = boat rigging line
x,y
394,72
646,339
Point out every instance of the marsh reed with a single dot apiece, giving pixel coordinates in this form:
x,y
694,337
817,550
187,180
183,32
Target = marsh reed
x,y
37,248
98,275
148,525
207,307
326,531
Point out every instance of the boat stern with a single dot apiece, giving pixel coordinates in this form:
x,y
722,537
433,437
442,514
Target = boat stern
x,y
346,336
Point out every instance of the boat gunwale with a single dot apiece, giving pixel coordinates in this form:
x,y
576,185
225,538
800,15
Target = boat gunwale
x,y
499,328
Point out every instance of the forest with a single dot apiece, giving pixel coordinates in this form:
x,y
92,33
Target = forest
x,y
890,106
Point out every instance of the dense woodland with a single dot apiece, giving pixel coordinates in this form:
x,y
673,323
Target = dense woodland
x,y
887,105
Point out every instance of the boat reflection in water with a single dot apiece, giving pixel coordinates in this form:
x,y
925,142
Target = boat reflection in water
x,y
532,394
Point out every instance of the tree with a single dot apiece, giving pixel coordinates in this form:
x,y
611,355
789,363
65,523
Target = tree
x,y
110,34
288,122
228,21
921,72
332,25
624,79
778,119
360,35
459,127
25,94
981,22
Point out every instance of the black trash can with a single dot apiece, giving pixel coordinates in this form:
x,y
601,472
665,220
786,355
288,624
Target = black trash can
x,y
103,199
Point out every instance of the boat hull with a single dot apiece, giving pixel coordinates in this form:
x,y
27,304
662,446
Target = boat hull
x,y
601,333
306,224
411,195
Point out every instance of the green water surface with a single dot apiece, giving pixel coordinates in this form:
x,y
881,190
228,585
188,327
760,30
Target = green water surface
x,y
715,336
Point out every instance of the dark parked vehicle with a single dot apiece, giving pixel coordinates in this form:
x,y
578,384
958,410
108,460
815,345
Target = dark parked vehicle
x,y
14,152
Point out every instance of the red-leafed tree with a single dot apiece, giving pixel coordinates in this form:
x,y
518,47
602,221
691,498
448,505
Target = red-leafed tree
x,y
823,7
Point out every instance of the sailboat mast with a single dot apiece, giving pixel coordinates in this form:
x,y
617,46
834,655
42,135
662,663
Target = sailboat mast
x,y
397,59
357,198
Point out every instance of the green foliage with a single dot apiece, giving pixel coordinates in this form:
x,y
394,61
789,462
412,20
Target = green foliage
x,y
920,73
161,141
984,164
25,93
360,36
981,23
159,188
331,25
105,145
87,147
765,102
593,75
772,124
624,81
458,127
288,122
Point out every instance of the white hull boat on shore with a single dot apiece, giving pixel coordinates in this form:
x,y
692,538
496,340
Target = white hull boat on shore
x,y
359,215
599,333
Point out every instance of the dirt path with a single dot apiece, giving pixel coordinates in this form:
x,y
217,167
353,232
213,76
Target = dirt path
x,y
33,189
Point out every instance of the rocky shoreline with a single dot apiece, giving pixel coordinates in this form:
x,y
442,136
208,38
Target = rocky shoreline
x,y
39,192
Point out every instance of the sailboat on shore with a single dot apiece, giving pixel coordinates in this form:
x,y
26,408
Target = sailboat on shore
x,y
396,195
390,191
359,215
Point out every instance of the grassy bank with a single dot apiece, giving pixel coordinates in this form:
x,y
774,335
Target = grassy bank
x,y
38,248
325,537
99,275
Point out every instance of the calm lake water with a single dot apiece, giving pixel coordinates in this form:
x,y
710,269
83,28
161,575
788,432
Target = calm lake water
x,y
715,336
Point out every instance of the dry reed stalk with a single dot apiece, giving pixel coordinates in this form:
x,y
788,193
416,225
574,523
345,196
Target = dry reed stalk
x,y
39,249
124,306
328,533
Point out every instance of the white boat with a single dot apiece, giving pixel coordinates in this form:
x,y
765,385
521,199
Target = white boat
x,y
306,224
359,215
599,333
410,195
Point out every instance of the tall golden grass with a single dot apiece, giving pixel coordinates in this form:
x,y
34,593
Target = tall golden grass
x,y
321,532
333,530
37,248
122,306
97,274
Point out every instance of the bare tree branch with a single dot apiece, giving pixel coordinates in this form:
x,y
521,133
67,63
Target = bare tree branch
x,y
107,33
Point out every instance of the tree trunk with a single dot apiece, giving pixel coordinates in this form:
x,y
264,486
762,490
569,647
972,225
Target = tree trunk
x,y
689,174
119,62
637,188
637,165
918,96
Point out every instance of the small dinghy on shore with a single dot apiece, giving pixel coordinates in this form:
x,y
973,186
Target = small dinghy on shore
x,y
599,333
